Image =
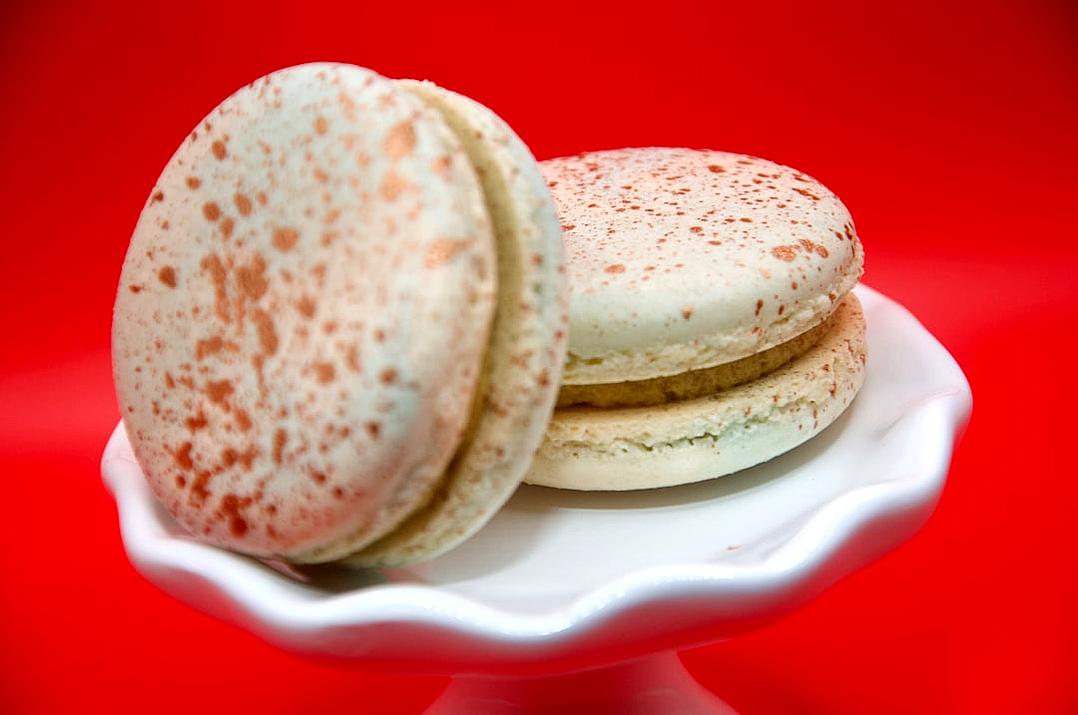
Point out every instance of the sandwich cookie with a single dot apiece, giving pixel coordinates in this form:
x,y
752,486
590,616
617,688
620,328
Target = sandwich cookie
x,y
336,330
711,321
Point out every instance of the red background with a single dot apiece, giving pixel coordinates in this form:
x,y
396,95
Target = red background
x,y
948,128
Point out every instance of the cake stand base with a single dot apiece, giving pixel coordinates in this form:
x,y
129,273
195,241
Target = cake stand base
x,y
655,684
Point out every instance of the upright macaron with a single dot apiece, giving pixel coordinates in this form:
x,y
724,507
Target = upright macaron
x,y
312,306
711,326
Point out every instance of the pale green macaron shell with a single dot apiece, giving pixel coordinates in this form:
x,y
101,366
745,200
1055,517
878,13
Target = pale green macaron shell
x,y
681,259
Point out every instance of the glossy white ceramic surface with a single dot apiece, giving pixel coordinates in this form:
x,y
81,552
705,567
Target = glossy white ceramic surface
x,y
561,577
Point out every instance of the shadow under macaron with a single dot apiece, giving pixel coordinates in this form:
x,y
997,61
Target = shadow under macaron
x,y
518,527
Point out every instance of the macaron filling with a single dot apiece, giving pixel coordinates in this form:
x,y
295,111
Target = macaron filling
x,y
692,383
843,342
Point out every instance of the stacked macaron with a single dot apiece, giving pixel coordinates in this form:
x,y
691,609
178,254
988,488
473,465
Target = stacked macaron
x,y
339,329
711,322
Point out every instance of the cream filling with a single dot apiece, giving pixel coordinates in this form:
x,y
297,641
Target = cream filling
x,y
704,351
815,380
694,383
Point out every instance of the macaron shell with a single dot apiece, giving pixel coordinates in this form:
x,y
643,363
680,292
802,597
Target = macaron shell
x,y
303,313
683,259
528,341
693,440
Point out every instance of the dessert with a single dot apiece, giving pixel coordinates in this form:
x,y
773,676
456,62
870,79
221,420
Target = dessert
x,y
711,321
339,328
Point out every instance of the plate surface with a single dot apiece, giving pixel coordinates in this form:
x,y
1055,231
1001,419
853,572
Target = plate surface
x,y
562,576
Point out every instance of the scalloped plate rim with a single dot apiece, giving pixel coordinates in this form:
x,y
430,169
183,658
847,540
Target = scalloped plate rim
x,y
264,594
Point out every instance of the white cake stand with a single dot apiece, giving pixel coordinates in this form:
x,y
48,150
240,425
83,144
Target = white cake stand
x,y
582,598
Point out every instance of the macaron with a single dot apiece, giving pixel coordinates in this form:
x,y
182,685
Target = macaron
x,y
712,325
340,324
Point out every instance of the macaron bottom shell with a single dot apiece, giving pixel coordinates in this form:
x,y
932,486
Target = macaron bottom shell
x,y
523,363
692,440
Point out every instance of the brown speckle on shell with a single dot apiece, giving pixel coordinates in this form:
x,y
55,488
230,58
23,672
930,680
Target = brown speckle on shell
x,y
324,372
243,204
443,250
218,391
392,186
784,253
400,140
284,239
167,276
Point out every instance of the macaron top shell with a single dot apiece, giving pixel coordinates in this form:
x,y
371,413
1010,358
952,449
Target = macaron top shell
x,y
682,259
303,314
